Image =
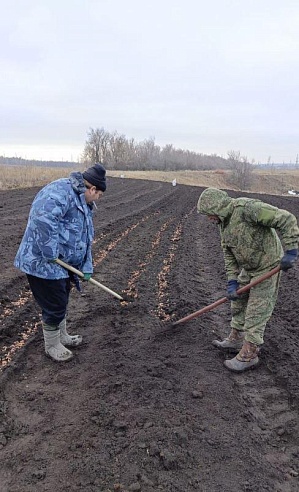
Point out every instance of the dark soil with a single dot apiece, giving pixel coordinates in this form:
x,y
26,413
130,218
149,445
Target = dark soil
x,y
144,406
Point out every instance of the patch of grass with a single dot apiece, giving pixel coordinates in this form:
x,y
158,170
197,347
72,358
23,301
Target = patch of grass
x,y
27,176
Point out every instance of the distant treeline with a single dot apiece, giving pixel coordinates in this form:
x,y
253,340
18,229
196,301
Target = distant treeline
x,y
279,165
18,161
121,153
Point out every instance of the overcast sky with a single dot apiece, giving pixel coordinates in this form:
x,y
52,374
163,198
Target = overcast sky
x,y
208,76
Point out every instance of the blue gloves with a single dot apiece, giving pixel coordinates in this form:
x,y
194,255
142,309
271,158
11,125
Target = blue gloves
x,y
87,276
232,287
289,259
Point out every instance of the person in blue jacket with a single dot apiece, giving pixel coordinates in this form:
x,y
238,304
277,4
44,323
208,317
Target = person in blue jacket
x,y
60,225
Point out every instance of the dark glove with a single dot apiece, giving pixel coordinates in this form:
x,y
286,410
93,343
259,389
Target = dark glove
x,y
75,280
87,276
289,259
232,287
53,261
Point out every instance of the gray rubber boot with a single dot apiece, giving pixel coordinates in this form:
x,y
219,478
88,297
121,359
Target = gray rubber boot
x,y
233,342
246,359
66,339
53,347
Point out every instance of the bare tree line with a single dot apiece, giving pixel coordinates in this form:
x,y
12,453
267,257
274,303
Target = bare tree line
x,y
19,161
121,153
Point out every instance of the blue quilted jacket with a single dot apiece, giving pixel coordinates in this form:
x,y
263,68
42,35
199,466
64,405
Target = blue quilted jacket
x,y
59,226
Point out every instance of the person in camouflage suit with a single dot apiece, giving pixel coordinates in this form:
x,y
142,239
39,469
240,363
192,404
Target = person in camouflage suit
x,y
60,226
251,247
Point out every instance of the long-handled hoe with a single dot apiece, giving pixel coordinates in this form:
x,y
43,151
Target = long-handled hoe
x,y
224,299
92,281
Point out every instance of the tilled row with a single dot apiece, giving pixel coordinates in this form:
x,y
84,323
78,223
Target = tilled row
x,y
110,242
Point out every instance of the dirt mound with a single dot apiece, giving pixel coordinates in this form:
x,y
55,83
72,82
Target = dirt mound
x,y
142,406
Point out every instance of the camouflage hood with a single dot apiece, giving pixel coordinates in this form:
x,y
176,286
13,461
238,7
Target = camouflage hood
x,y
215,202
77,182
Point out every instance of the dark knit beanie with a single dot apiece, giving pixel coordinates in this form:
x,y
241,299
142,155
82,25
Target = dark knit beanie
x,y
96,175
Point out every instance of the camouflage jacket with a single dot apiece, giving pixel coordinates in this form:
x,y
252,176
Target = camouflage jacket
x,y
248,230
59,226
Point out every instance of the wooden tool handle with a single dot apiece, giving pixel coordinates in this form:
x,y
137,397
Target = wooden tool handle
x,y
91,280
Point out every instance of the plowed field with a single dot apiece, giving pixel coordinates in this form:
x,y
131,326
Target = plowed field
x,y
142,406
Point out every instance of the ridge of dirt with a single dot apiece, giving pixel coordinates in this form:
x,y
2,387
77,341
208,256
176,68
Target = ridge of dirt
x,y
143,406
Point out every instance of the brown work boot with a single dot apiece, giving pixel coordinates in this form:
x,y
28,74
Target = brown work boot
x,y
246,359
233,342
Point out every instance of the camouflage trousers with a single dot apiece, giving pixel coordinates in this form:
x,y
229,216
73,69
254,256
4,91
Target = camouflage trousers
x,y
254,309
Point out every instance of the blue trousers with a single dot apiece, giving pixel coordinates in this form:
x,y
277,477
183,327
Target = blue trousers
x,y
52,296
